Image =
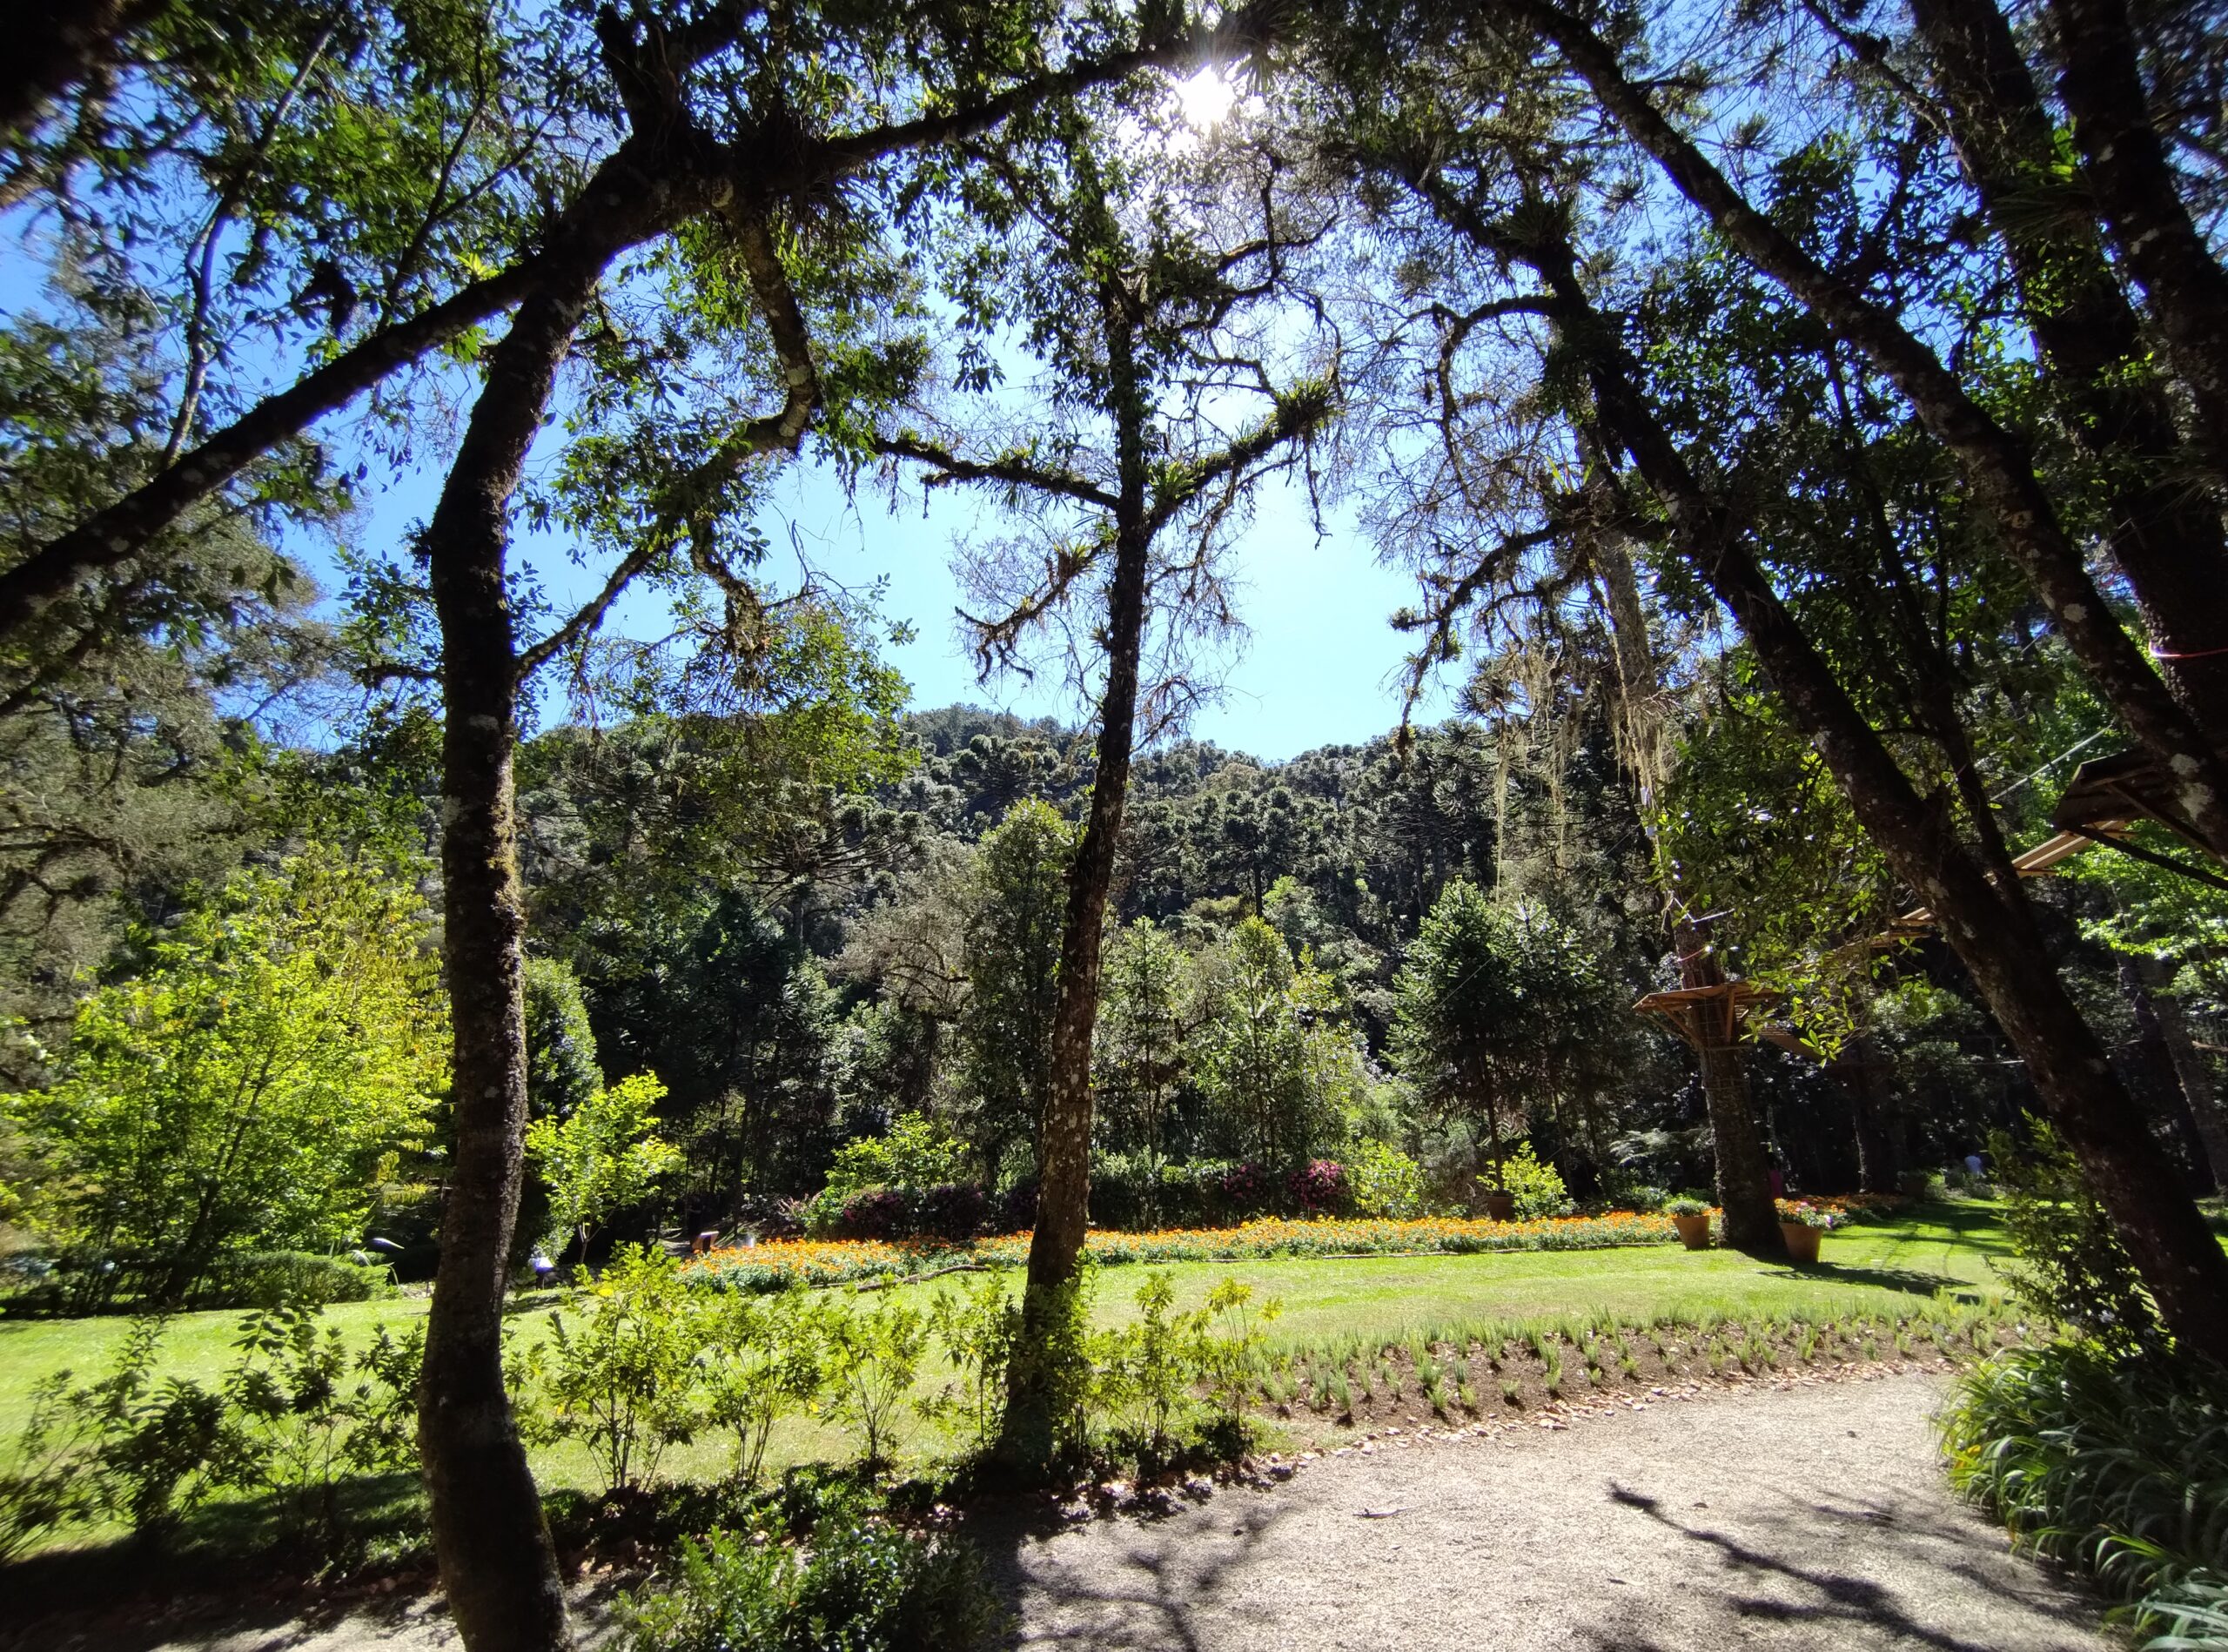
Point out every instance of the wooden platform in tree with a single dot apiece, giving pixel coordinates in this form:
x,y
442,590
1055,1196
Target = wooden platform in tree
x,y
1708,1018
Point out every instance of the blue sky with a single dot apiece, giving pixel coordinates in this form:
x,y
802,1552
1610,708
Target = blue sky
x,y
1320,667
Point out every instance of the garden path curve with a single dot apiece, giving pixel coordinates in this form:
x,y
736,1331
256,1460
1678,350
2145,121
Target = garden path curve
x,y
1816,1517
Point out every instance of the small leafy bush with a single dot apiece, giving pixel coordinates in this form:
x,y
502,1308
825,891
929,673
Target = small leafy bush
x,y
875,1214
1146,1371
1684,1205
624,1380
1013,1211
955,1211
292,1419
857,1586
1386,1181
306,1425
1537,1188
287,1279
873,1354
764,1359
2115,1465
1320,1188
916,1153
977,1329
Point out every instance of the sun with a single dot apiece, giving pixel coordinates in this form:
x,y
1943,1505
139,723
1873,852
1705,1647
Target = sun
x,y
1206,98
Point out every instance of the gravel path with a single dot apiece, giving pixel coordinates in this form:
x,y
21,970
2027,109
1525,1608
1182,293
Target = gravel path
x,y
1812,1518
1811,1515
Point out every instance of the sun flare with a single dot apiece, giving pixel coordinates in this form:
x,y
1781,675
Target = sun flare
x,y
1205,99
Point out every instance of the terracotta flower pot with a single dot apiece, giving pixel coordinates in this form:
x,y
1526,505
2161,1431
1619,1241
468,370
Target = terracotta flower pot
x,y
1693,1232
1802,1240
1501,1207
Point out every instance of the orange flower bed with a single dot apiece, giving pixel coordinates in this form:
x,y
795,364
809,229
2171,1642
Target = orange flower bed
x,y
779,1262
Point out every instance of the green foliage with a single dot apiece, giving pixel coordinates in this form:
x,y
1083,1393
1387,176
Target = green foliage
x,y
2115,1465
857,1585
1500,1006
1386,1181
306,1425
250,1088
916,1154
2070,1266
292,1417
1684,1205
1274,1072
1010,953
1146,1370
873,1355
1537,1187
601,1159
1141,1048
978,1328
763,1359
561,1072
1232,1353
626,1380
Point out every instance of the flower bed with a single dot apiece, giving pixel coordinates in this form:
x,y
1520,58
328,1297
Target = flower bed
x,y
779,1262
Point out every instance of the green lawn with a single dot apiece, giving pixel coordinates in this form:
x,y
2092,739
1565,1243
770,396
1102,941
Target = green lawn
x,y
1896,1264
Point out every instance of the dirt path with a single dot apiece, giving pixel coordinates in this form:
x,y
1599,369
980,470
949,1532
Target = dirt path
x,y
1813,1518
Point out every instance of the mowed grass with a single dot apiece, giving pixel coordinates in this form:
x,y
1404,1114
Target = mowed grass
x,y
1890,1264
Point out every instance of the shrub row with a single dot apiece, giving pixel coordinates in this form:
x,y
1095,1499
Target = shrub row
x,y
2115,1466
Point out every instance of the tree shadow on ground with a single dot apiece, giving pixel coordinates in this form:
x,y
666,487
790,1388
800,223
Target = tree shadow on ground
x,y
1161,1609
1839,1603
1907,1280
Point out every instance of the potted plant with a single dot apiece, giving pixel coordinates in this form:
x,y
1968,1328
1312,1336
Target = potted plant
x,y
1691,1217
1802,1226
1500,1204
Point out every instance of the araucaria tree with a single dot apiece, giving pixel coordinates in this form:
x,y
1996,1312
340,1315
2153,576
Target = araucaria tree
x,y
1148,286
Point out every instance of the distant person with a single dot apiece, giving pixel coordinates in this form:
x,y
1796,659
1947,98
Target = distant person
x,y
1973,1164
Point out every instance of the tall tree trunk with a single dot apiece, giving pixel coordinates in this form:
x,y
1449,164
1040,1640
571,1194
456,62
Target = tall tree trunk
x,y
1992,931
2132,180
1744,1187
1063,1149
1744,1169
1997,461
2165,535
496,1563
2192,1068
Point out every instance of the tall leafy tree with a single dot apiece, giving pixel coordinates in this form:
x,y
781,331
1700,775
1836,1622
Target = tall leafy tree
x,y
1010,958
1145,291
250,1086
1271,1055
1143,1040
